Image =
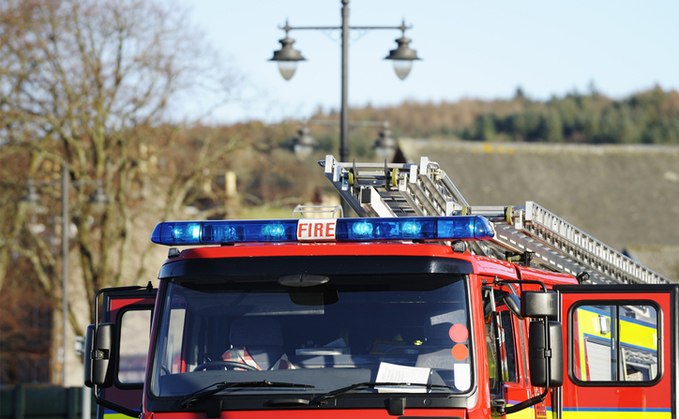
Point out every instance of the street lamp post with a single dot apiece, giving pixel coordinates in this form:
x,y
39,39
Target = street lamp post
x,y
287,59
65,227
33,198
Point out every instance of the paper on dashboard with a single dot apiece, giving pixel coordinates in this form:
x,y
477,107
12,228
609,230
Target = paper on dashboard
x,y
392,373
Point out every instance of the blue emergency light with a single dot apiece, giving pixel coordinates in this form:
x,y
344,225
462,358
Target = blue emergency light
x,y
173,233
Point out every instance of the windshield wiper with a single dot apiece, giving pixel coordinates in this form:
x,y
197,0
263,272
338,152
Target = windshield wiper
x,y
222,385
370,384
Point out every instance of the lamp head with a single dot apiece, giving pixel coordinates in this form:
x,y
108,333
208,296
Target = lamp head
x,y
385,146
287,58
403,56
304,144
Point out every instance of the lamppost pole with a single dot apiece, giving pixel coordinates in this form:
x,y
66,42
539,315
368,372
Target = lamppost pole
x,y
32,198
65,226
344,112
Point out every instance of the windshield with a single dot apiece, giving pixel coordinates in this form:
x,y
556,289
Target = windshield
x,y
312,334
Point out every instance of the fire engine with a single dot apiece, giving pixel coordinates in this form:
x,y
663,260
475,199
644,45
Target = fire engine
x,y
421,306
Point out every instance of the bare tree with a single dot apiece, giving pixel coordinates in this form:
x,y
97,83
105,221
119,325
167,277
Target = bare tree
x,y
93,84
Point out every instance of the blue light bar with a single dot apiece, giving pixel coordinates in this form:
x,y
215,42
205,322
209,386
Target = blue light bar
x,y
461,228
218,232
415,228
174,233
360,229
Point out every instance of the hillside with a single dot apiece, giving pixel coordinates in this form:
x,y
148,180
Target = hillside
x,y
647,117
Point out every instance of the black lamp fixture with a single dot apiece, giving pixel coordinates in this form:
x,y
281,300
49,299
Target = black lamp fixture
x,y
304,144
403,56
32,197
99,197
385,146
287,56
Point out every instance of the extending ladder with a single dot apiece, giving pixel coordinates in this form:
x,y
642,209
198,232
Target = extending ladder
x,y
530,232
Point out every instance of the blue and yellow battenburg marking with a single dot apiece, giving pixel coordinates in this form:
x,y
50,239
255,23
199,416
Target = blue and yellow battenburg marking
x,y
173,233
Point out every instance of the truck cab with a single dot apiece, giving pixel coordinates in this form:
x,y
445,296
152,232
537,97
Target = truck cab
x,y
376,317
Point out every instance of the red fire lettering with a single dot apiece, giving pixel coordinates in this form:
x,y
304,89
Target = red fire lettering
x,y
318,230
302,229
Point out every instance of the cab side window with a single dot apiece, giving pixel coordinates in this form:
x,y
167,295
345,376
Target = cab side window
x,y
490,327
507,347
492,355
135,329
615,342
500,341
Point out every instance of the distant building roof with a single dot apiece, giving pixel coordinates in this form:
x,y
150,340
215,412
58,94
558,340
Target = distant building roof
x,y
625,196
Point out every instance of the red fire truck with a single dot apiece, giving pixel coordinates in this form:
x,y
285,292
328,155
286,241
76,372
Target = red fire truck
x,y
422,306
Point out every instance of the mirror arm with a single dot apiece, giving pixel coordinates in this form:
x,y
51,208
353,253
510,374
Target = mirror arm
x,y
501,282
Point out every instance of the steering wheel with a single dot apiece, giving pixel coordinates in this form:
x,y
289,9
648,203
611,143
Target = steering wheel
x,y
224,365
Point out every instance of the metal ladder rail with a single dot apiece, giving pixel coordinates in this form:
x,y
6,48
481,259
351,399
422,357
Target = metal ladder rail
x,y
425,189
563,247
512,236
573,243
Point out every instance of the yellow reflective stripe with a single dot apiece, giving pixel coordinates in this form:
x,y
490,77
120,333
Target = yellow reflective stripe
x,y
114,415
527,413
613,414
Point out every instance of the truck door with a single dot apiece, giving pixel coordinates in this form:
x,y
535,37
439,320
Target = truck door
x,y
621,350
130,309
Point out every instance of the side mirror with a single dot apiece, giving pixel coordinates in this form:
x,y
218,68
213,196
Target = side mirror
x,y
539,304
101,355
513,303
545,361
87,358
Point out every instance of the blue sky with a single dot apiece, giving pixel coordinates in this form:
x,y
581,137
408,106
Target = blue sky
x,y
469,49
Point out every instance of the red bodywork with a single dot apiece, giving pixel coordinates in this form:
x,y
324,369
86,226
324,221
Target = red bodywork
x,y
485,272
486,269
